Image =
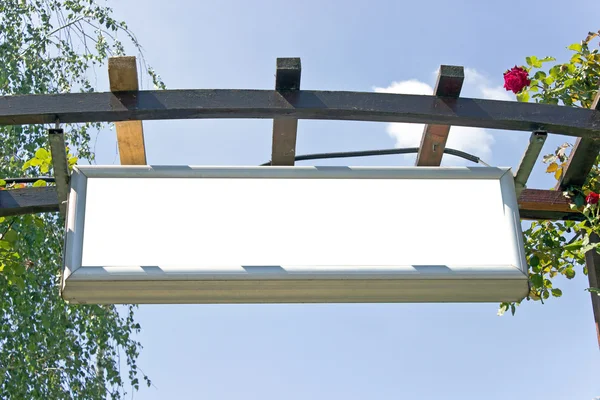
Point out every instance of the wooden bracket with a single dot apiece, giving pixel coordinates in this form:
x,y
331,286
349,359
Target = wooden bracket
x,y
123,77
287,83
582,158
60,165
536,142
431,150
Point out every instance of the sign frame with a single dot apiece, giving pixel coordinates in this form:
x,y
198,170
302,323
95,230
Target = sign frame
x,y
146,285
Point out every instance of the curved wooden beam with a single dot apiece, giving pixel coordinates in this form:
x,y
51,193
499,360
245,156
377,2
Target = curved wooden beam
x,y
301,104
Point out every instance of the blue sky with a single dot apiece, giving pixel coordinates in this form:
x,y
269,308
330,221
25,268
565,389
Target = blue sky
x,y
355,351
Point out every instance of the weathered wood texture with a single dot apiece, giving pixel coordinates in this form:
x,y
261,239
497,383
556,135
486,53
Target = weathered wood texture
x,y
60,166
582,157
545,204
433,142
592,262
287,81
123,77
28,201
529,159
302,104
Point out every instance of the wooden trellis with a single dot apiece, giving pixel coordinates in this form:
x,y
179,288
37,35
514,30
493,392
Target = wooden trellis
x,y
286,104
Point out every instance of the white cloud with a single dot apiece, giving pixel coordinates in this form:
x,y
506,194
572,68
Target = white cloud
x,y
483,88
476,141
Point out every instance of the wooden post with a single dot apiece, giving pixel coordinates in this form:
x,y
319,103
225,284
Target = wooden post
x,y
60,165
449,84
582,158
122,73
592,262
287,81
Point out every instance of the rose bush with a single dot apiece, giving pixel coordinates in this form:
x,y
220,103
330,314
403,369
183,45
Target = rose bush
x,y
555,248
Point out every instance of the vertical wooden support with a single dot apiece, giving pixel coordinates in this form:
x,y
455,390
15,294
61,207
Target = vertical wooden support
x,y
60,165
582,158
449,84
592,262
122,73
287,81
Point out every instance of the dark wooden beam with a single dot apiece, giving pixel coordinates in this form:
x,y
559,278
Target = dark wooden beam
x,y
433,142
303,104
287,81
582,157
592,262
28,201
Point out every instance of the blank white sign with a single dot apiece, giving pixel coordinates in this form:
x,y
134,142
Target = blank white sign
x,y
292,234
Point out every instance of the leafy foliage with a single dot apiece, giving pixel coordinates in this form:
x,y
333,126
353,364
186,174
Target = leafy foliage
x,y
50,349
558,248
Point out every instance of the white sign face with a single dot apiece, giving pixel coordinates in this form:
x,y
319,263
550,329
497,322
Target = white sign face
x,y
144,234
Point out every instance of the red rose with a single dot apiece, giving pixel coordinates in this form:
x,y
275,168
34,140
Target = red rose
x,y
516,79
592,198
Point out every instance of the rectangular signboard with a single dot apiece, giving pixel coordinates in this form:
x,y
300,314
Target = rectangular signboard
x,y
162,234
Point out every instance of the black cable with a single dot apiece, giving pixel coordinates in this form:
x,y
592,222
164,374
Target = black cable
x,y
29,180
383,152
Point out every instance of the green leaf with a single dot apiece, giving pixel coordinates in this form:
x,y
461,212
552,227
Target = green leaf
x,y
523,96
534,261
39,183
556,292
546,59
575,59
575,47
537,281
2,182
42,154
570,273
548,80
10,236
569,82
573,246
44,168
579,200
26,165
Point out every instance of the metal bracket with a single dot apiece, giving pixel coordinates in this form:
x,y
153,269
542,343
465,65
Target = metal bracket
x,y
60,166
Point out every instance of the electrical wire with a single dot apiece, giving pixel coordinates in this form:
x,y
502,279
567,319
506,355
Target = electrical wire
x,y
382,152
28,180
